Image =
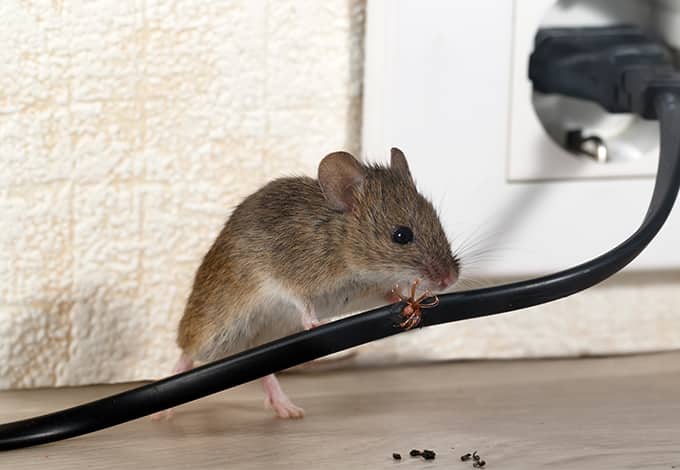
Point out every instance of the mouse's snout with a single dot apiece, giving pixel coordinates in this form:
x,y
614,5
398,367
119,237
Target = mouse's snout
x,y
443,275
449,279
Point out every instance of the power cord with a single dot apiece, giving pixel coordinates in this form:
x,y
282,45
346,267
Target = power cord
x,y
618,67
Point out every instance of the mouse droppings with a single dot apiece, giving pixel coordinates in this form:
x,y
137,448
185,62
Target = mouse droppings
x,y
466,457
479,464
475,457
428,454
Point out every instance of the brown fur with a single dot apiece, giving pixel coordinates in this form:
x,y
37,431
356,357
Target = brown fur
x,y
314,245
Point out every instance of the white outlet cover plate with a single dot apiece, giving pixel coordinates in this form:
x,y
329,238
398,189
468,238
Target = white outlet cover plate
x,y
533,155
439,85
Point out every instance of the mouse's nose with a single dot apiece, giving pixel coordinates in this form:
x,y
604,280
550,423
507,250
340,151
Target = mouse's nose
x,y
448,279
442,275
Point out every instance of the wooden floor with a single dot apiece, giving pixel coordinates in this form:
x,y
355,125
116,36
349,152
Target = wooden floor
x,y
613,413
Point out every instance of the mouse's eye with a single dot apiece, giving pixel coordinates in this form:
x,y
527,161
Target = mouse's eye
x,y
402,235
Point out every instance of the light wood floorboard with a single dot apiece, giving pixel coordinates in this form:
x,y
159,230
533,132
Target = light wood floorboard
x,y
613,413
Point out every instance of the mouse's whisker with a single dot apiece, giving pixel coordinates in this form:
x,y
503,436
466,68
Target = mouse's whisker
x,y
476,233
471,244
472,283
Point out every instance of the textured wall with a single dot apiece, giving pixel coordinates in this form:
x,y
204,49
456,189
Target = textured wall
x,y
128,130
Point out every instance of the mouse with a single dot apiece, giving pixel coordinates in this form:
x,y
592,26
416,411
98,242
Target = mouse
x,y
300,251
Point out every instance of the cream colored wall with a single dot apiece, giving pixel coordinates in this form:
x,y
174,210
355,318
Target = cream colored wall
x,y
130,128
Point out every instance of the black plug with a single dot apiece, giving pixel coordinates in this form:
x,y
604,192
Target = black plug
x,y
619,67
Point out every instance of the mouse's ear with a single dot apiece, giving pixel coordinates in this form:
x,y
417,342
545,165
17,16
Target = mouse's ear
x,y
339,174
398,162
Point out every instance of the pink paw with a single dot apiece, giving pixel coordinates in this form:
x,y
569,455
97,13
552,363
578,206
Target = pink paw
x,y
309,324
278,400
285,409
309,320
394,295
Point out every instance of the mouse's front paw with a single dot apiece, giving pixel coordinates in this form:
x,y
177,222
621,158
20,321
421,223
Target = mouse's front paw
x,y
392,297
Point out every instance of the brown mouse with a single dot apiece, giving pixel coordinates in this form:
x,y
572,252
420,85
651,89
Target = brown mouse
x,y
302,250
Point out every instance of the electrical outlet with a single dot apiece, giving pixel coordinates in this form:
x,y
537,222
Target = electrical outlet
x,y
447,82
540,124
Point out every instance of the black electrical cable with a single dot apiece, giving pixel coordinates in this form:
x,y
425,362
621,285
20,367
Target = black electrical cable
x,y
376,324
